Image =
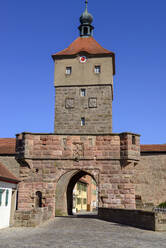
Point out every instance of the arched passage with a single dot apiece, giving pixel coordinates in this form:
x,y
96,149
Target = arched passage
x,y
64,191
70,188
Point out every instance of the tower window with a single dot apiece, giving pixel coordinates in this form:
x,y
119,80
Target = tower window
x,y
97,69
38,202
68,70
83,92
133,140
85,30
82,121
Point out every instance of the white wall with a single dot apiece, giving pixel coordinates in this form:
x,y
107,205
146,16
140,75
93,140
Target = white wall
x,y
5,210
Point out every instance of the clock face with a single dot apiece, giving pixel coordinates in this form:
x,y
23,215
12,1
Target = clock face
x,y
83,59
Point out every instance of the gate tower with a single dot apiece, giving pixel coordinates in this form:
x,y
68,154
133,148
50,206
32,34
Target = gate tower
x,y
82,142
84,84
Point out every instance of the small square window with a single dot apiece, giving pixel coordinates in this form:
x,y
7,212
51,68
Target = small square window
x,y
68,70
82,121
97,69
83,92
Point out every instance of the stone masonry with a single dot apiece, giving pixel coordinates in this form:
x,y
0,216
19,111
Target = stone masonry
x,y
150,179
82,142
95,107
49,165
44,158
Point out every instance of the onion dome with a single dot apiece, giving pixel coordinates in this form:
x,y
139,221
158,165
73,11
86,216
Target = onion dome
x,y
86,19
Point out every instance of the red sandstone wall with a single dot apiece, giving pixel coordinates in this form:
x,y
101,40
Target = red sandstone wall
x,y
112,146
150,179
45,158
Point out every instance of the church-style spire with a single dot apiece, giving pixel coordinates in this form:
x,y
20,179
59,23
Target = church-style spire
x,y
86,19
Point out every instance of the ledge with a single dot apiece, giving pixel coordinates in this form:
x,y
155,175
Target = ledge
x,y
80,134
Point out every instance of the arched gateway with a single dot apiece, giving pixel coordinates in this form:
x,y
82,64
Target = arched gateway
x,y
64,189
82,142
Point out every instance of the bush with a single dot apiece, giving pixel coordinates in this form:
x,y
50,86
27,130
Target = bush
x,y
162,205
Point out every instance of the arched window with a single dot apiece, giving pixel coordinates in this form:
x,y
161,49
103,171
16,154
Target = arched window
x,y
38,203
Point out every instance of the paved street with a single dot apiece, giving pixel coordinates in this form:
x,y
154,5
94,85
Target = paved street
x,y
80,233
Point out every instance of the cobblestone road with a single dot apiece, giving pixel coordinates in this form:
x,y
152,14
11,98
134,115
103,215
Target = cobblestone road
x,y
80,233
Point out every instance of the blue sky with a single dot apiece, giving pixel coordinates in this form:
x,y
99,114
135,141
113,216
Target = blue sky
x,y
32,30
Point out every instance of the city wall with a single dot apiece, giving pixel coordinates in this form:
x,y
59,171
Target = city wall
x,y
150,180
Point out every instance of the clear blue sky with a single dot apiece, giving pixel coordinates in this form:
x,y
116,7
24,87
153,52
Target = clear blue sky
x,y
32,30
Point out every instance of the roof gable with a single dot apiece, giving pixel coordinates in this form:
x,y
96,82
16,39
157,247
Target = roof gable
x,y
6,175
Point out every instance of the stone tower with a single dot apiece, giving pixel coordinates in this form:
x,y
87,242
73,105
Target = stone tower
x,y
84,84
82,144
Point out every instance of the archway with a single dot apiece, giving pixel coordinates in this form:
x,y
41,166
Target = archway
x,y
64,191
76,178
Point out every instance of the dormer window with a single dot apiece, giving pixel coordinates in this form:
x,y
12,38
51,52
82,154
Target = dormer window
x,y
97,69
68,70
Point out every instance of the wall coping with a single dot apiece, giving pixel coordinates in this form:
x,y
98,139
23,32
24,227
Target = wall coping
x,y
130,210
80,134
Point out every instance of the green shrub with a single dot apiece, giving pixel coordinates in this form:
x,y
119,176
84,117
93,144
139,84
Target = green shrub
x,y
162,205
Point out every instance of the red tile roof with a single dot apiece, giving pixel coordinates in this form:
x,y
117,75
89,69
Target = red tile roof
x,y
6,175
153,148
88,45
82,181
7,145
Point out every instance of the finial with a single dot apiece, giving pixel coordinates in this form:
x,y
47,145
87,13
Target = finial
x,y
86,3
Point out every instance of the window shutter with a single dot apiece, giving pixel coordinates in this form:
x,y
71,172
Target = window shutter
x,y
7,197
1,191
